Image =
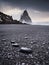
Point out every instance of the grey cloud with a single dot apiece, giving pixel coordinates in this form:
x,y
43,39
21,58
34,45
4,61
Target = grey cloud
x,y
42,5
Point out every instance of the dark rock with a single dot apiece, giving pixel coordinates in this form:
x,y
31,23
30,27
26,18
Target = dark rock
x,y
6,19
3,40
26,50
12,41
15,45
25,17
26,37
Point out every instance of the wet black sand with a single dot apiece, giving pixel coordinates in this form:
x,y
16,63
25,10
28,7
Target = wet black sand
x,y
34,37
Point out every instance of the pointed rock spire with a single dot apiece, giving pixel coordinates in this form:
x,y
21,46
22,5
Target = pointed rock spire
x,y
25,17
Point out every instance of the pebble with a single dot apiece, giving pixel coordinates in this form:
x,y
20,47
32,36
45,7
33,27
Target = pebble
x,y
42,46
3,40
23,63
31,56
34,42
43,43
26,37
34,62
5,43
9,55
12,41
48,47
31,42
46,52
36,54
26,50
15,45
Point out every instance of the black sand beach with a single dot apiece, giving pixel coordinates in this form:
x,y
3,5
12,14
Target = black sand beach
x,y
32,36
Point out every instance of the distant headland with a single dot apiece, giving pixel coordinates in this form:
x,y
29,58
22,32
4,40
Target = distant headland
x,y
7,19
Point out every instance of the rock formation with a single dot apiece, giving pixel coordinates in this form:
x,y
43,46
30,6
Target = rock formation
x,y
25,17
6,19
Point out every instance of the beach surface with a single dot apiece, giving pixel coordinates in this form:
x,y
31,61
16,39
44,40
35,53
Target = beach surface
x,y
35,37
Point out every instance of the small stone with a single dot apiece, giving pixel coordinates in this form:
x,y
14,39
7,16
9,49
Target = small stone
x,y
13,41
7,46
41,56
3,39
15,45
42,46
31,42
38,62
23,63
31,55
48,47
43,63
25,34
9,55
46,52
34,42
34,62
26,37
43,43
26,50
47,61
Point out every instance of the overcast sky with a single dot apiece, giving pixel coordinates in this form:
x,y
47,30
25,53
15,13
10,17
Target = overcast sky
x,y
37,9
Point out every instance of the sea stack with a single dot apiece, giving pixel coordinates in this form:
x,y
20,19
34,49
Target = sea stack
x,y
25,18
